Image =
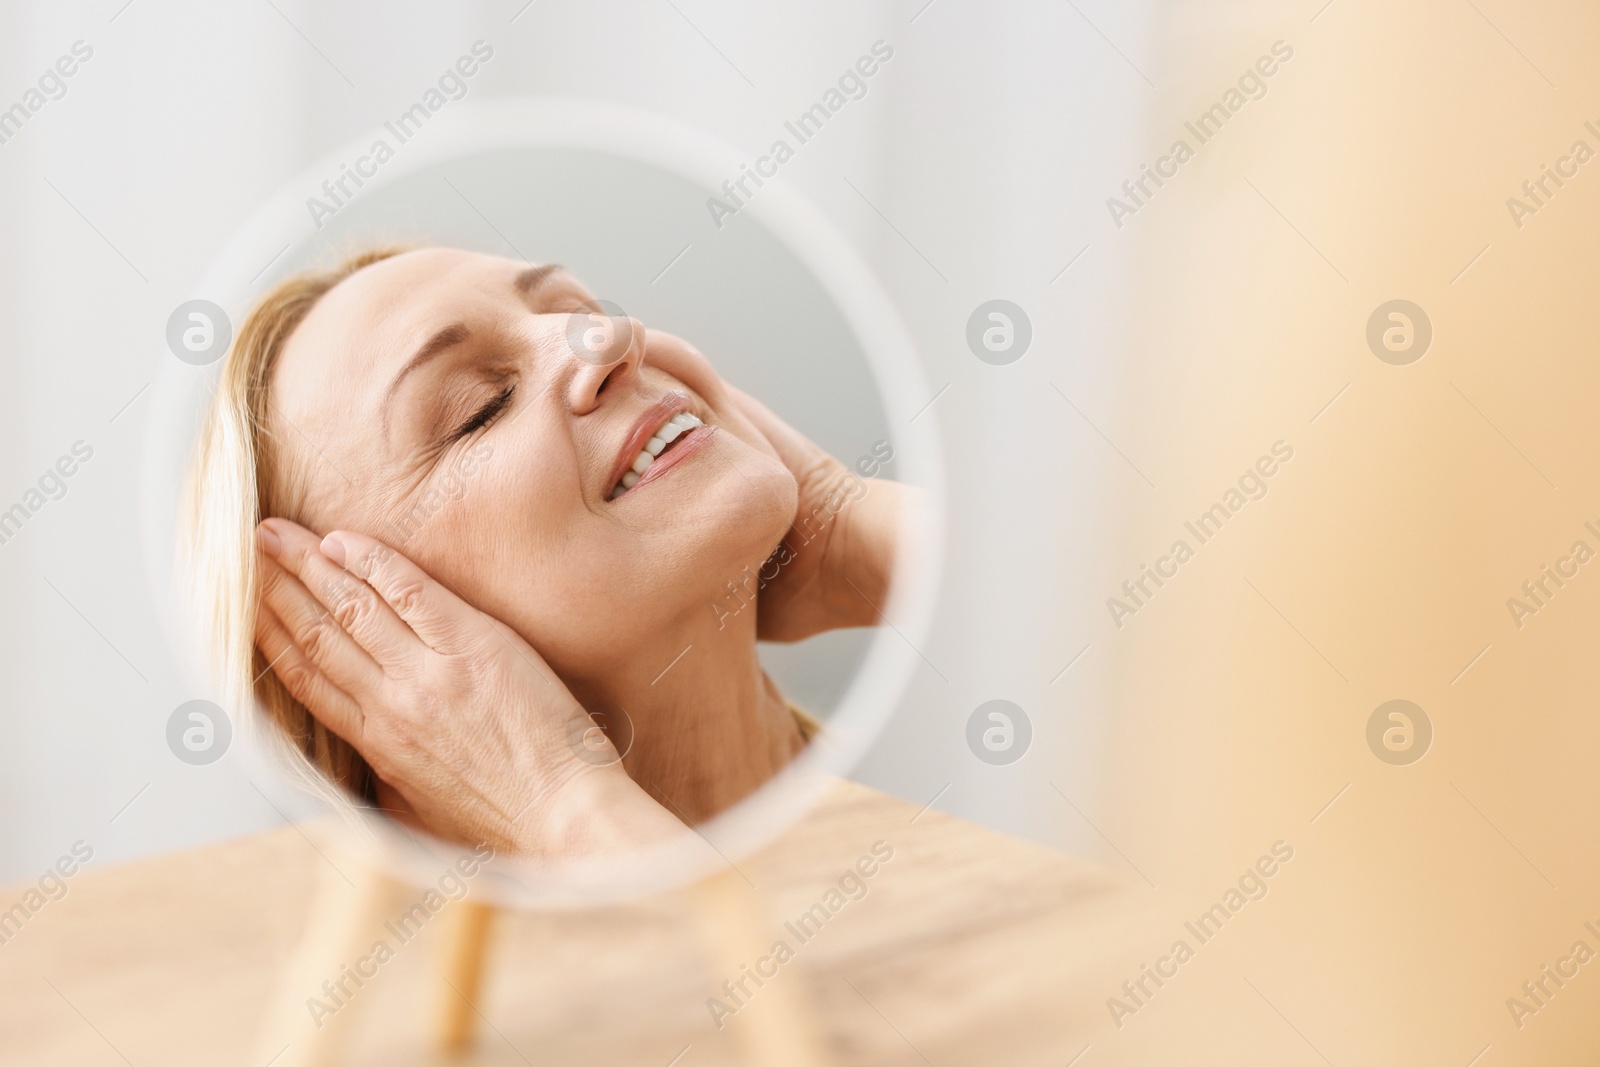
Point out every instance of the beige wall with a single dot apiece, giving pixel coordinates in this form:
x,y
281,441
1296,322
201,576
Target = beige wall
x,y
1413,508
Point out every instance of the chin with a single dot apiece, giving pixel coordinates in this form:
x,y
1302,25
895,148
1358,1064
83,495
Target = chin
x,y
719,533
737,524
762,511
734,500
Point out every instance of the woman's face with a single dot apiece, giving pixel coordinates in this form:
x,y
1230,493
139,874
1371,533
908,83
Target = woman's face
x,y
471,413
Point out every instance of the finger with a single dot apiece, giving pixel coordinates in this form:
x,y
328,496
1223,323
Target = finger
x,y
316,632
304,681
443,621
356,606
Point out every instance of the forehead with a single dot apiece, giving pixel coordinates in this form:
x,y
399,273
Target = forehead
x,y
376,316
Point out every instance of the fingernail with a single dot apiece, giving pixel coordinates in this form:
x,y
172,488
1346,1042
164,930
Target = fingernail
x,y
333,548
269,540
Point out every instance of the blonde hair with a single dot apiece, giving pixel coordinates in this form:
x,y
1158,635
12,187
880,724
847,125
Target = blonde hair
x,y
237,478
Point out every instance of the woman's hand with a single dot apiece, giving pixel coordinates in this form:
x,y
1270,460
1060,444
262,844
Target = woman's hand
x,y
834,565
451,709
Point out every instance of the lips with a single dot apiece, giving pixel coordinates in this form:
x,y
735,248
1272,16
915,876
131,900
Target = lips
x,y
666,431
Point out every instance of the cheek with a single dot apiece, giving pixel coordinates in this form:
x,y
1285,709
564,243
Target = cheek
x,y
506,540
588,590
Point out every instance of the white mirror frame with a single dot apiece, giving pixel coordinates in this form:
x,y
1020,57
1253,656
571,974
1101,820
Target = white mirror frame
x,y
473,127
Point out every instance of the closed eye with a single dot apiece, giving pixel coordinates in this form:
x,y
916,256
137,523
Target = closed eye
x,y
485,415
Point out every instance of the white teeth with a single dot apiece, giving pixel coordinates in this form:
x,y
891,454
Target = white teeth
x,y
669,432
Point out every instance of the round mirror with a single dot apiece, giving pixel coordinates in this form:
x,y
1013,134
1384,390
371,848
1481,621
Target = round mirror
x,y
659,226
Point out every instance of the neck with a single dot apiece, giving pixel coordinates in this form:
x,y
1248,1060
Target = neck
x,y
710,727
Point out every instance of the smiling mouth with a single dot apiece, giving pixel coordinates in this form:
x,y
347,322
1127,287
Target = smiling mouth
x,y
662,441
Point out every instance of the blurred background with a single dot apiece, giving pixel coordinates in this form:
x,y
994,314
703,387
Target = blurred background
x,y
1358,274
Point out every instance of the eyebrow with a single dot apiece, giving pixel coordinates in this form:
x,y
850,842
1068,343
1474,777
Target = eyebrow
x,y
452,335
532,278
525,283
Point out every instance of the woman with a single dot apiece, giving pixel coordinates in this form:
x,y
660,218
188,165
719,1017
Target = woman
x,y
494,467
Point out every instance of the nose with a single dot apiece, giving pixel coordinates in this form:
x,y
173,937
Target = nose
x,y
606,351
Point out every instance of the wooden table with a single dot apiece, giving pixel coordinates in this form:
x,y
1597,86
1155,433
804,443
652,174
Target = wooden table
x,y
969,947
